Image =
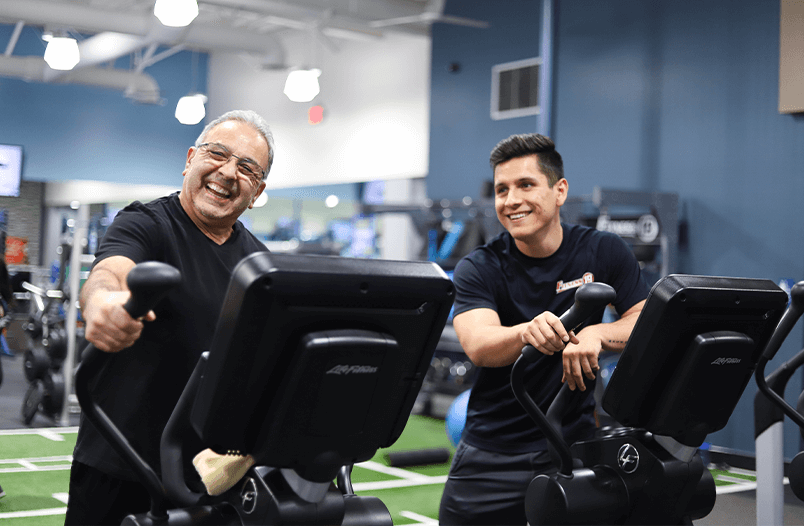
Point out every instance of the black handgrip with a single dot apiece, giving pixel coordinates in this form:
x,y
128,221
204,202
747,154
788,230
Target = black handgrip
x,y
789,319
149,282
786,324
589,298
145,293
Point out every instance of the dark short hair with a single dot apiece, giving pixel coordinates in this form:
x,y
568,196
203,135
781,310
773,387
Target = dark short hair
x,y
522,145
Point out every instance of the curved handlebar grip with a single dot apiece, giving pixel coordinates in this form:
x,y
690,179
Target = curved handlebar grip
x,y
783,328
590,298
789,319
149,282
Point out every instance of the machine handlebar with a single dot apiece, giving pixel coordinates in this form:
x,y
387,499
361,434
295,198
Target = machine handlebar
x,y
589,299
789,319
149,282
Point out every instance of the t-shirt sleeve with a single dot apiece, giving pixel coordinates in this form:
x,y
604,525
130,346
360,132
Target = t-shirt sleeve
x,y
471,290
132,234
625,275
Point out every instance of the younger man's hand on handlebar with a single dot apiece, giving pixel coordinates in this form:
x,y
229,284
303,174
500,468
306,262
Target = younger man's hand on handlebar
x,y
108,326
580,360
546,333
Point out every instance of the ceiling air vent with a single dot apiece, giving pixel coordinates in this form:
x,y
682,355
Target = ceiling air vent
x,y
515,89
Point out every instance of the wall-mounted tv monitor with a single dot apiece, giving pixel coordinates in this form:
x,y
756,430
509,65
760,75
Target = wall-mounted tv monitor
x,y
10,169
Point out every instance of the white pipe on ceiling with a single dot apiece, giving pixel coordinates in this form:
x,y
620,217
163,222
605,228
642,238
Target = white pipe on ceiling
x,y
139,87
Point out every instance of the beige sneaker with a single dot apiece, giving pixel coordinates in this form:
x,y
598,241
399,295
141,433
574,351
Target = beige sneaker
x,y
221,472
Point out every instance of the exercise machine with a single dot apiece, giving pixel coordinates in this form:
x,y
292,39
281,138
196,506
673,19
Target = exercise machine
x,y
770,409
315,364
47,350
690,356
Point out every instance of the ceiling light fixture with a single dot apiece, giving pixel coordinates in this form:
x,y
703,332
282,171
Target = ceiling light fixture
x,y
176,13
302,85
190,109
62,53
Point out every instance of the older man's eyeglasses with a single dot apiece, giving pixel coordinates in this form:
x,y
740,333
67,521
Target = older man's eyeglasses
x,y
246,167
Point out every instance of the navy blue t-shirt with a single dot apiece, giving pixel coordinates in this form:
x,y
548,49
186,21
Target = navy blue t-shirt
x,y
139,386
498,276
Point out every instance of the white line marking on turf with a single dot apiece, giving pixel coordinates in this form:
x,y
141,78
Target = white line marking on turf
x,y
40,431
57,458
50,435
400,483
421,519
27,464
63,497
64,467
733,480
31,464
388,470
32,513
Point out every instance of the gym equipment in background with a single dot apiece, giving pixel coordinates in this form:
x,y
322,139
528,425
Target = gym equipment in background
x,y
769,411
315,364
51,331
44,358
689,358
647,221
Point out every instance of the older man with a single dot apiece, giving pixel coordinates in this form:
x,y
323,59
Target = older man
x,y
197,231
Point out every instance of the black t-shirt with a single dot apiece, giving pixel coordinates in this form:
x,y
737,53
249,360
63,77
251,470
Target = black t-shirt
x,y
498,276
139,386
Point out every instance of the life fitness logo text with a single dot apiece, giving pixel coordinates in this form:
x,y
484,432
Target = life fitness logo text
x,y
561,286
352,369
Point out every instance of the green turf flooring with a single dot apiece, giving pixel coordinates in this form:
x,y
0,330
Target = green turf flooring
x,y
34,472
35,467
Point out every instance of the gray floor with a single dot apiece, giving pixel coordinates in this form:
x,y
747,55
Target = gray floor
x,y
740,509
736,509
12,393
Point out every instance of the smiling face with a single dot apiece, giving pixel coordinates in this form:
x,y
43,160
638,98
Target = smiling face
x,y
528,207
214,195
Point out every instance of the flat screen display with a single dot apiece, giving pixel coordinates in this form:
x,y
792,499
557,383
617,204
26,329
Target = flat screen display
x,y
10,169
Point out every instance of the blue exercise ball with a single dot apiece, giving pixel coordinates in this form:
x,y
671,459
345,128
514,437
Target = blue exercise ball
x,y
456,417
607,367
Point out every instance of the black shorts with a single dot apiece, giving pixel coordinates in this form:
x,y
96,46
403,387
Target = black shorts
x,y
98,498
485,487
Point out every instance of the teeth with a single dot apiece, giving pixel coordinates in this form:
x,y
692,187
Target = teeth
x,y
219,189
514,217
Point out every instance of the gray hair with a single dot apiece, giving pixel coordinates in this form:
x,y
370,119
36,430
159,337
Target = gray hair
x,y
250,117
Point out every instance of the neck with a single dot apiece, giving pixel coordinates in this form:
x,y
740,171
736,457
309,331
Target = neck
x,y
214,230
544,245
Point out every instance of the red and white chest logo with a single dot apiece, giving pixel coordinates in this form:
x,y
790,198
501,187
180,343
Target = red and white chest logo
x,y
561,286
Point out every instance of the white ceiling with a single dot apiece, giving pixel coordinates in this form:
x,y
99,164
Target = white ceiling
x,y
109,29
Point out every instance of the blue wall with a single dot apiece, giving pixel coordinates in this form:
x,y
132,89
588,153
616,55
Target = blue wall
x,y
462,132
668,95
79,132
